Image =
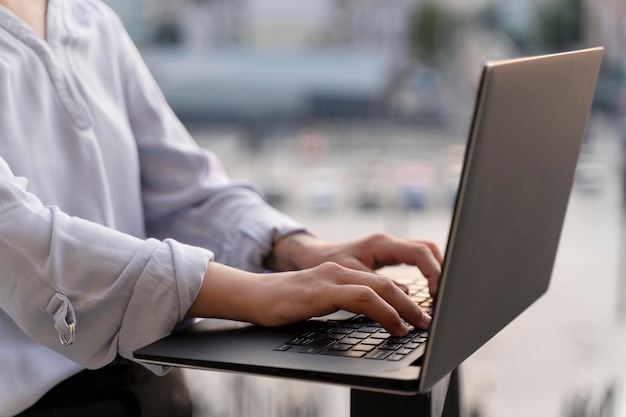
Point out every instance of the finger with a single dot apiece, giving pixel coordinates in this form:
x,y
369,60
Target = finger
x,y
433,278
387,250
402,303
434,248
403,287
426,256
420,254
361,299
356,264
380,299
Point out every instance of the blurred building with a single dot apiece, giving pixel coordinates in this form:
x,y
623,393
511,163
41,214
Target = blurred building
x,y
606,25
252,87
370,25
216,23
287,23
135,14
197,23
271,59
517,16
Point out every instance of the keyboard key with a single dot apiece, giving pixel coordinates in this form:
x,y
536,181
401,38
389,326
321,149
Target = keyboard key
x,y
351,340
369,329
364,348
352,324
379,354
373,341
390,346
401,340
395,357
360,335
339,346
300,341
283,348
381,335
345,353
315,347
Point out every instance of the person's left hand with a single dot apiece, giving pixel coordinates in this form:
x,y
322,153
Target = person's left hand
x,y
301,251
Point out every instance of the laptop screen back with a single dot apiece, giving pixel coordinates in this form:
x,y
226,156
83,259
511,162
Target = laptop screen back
x,y
528,126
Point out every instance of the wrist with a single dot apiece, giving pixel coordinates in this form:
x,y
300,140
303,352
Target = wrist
x,y
227,293
294,252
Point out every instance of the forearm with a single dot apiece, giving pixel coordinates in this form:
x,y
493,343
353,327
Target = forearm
x,y
225,293
264,299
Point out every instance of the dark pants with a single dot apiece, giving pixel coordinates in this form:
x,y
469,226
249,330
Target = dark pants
x,y
120,389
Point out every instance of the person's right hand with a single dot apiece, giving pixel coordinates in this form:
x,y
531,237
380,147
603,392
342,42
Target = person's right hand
x,y
287,297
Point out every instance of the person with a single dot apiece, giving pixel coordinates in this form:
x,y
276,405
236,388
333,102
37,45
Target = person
x,y
116,227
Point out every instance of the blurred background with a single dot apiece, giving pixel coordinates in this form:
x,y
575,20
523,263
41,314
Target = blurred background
x,y
352,117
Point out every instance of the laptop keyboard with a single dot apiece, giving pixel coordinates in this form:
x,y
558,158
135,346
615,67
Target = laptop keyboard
x,y
361,337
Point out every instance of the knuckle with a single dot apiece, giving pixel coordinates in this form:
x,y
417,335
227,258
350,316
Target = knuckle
x,y
364,294
377,238
326,275
421,245
423,249
385,285
330,269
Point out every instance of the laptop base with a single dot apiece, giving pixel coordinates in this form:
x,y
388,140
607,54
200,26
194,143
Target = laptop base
x,y
443,400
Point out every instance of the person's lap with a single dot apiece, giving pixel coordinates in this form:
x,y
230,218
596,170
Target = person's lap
x,y
120,389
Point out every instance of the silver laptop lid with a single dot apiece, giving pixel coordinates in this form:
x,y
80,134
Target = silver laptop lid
x,y
529,122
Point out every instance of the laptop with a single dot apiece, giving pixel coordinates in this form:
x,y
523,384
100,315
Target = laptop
x,y
529,121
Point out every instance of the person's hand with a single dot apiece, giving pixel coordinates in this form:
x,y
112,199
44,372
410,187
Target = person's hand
x,y
282,298
300,251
